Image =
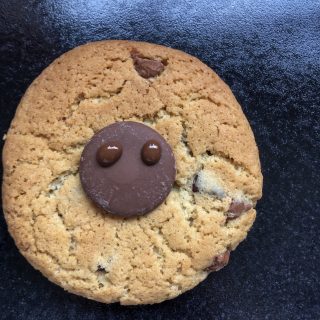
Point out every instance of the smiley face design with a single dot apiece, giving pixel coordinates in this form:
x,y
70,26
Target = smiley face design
x,y
127,168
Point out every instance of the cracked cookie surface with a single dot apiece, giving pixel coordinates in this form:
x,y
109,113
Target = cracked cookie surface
x,y
145,259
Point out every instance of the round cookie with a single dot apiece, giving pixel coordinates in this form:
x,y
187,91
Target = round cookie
x,y
142,259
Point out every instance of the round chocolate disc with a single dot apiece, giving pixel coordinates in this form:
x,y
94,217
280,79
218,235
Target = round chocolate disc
x,y
129,186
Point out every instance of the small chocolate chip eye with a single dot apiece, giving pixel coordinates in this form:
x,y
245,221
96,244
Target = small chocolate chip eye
x,y
109,153
151,152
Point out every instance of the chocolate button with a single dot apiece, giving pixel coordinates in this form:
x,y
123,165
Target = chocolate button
x,y
109,153
151,152
128,187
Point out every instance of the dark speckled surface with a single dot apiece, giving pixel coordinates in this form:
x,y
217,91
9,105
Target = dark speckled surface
x,y
269,53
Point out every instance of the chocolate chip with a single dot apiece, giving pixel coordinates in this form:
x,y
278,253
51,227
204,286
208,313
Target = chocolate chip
x,y
109,153
219,261
194,184
100,268
237,207
151,152
128,187
147,68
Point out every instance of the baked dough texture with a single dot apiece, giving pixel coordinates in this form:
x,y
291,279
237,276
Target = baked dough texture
x,y
145,259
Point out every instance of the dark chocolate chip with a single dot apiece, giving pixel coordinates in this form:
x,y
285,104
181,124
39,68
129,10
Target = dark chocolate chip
x,y
109,153
237,207
219,262
194,184
147,68
128,187
151,152
101,269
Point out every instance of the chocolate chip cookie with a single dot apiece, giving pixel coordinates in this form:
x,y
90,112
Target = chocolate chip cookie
x,y
130,172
